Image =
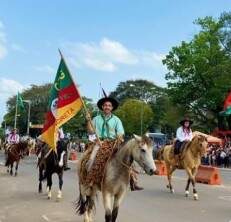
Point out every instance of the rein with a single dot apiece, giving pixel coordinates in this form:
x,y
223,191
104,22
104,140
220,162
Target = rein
x,y
130,168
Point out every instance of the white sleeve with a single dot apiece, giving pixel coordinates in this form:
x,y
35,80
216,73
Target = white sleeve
x,y
17,139
179,134
61,134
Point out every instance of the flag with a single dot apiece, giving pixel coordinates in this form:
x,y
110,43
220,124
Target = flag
x,y
64,103
19,102
227,106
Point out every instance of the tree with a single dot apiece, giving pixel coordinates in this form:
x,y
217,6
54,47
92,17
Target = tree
x,y
199,72
77,125
39,97
137,89
167,115
130,113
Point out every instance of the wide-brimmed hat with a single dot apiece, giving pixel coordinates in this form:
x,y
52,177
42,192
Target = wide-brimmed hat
x,y
186,119
113,101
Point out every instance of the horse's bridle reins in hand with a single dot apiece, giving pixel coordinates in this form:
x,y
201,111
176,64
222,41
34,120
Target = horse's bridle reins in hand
x,y
130,168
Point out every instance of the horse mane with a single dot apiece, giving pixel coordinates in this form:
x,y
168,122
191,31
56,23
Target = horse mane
x,y
125,147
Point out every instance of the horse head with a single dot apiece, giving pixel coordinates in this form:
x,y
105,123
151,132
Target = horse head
x,y
142,153
22,148
61,152
200,144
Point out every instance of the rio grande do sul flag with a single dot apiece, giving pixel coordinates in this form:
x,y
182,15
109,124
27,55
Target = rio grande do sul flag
x,y
64,103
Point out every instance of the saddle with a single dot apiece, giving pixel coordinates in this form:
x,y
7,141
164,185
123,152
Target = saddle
x,y
179,149
96,174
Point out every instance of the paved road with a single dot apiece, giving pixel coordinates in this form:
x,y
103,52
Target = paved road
x,y
20,202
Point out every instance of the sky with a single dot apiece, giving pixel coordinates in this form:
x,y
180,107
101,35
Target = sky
x,y
103,41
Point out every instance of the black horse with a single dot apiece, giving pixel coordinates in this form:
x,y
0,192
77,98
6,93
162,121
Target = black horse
x,y
50,162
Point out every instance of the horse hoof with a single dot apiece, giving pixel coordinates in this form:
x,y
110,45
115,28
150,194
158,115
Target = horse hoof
x,y
186,193
195,196
167,186
59,195
49,196
172,191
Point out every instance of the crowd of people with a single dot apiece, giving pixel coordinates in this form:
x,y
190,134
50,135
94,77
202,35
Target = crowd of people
x,y
218,155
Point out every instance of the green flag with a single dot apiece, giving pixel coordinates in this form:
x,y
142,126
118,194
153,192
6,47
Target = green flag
x,y
20,101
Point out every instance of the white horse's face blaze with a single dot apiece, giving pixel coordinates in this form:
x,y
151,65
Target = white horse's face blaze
x,y
61,162
143,155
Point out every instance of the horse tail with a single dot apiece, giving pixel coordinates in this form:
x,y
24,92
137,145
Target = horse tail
x,y
82,204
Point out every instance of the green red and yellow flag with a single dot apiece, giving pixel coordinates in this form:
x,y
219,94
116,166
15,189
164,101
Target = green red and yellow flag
x,y
64,103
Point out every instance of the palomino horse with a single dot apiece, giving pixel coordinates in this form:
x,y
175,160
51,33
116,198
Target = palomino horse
x,y
190,161
116,178
50,162
13,154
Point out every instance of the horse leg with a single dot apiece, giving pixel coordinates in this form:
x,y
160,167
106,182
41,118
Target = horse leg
x,y
40,189
11,168
59,196
170,170
195,194
49,184
16,168
117,201
187,187
90,206
191,173
107,201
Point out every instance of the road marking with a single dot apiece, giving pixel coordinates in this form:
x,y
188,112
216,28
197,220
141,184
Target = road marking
x,y
45,218
227,198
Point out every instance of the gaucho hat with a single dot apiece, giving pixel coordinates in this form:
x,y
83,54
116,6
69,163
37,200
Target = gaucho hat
x,y
113,101
186,119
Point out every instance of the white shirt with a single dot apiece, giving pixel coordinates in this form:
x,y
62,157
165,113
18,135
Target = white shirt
x,y
13,138
60,134
182,135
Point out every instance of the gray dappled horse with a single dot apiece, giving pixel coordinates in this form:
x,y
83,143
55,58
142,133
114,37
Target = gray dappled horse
x,y
116,178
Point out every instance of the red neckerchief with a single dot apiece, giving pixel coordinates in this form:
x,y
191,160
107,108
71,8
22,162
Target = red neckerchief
x,y
186,131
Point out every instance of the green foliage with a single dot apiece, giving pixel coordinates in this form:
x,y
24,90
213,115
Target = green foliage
x,y
130,113
167,115
199,71
77,125
137,89
38,95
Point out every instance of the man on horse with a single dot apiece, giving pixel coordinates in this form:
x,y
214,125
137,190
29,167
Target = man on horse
x,y
183,135
13,137
108,127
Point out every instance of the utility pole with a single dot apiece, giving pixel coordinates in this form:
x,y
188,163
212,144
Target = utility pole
x,y
16,112
28,116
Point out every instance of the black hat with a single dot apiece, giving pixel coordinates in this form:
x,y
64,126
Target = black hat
x,y
113,101
186,119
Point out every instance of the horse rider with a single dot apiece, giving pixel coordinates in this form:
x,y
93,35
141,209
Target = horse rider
x,y
183,135
107,126
13,137
61,143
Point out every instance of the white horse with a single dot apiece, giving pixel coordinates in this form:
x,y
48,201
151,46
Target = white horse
x,y
116,178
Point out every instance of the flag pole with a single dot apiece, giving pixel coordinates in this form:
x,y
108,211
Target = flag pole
x,y
16,112
84,105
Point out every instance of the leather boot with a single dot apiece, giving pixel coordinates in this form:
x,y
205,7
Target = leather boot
x,y
177,160
134,186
